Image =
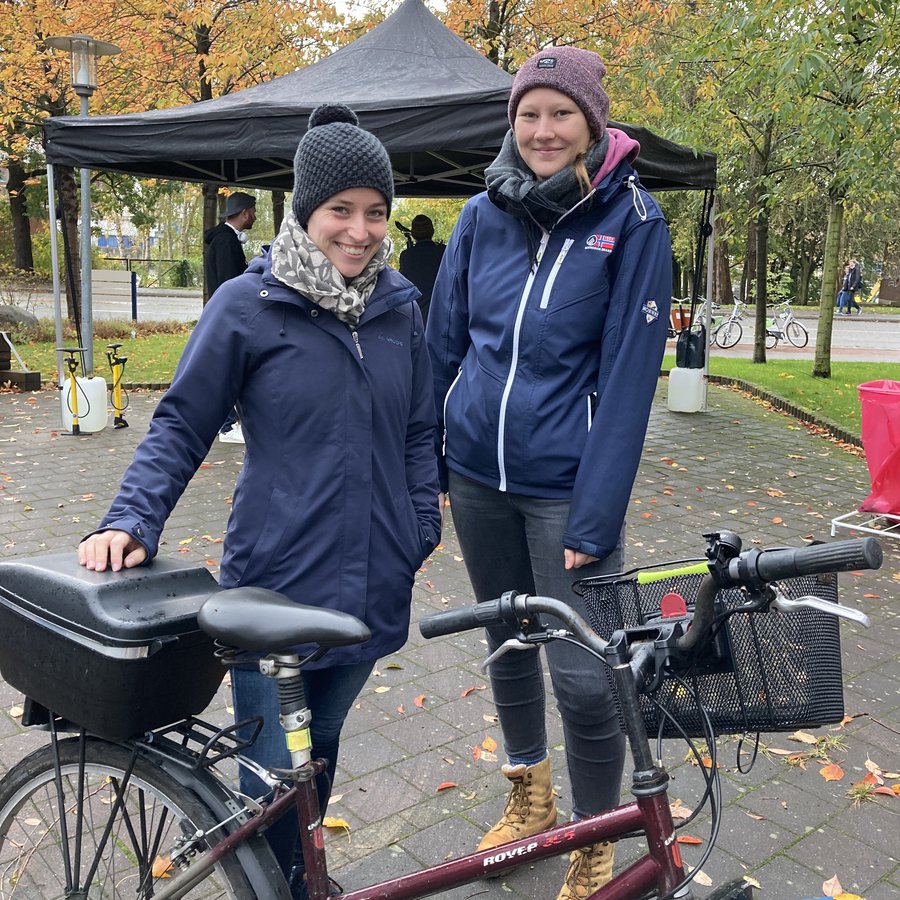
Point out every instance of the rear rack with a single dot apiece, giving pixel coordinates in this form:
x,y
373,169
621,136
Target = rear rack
x,y
198,744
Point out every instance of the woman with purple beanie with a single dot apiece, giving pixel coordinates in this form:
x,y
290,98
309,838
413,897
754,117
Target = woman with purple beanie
x,y
546,332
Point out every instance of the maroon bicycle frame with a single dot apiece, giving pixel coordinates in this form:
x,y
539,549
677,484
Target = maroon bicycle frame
x,y
660,868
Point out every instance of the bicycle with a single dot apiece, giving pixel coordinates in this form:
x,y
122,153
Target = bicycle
x,y
728,332
150,815
784,325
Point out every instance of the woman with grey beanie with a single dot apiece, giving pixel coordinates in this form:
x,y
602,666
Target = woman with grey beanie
x,y
321,345
546,330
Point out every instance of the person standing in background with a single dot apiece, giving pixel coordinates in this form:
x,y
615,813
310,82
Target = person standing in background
x,y
225,260
849,287
420,262
224,244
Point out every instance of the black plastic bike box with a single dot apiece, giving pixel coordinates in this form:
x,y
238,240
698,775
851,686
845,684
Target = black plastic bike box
x,y
118,653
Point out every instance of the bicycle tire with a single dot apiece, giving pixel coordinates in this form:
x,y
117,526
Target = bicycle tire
x,y
728,334
771,340
156,810
797,334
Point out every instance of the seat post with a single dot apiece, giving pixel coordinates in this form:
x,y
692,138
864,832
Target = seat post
x,y
294,714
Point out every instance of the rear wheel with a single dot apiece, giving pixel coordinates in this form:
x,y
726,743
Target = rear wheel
x,y
771,340
104,829
728,334
797,334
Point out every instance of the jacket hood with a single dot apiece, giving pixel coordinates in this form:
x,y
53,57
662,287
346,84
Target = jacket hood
x,y
210,233
621,146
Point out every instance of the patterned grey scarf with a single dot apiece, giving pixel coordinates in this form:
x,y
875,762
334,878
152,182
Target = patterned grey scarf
x,y
513,187
300,264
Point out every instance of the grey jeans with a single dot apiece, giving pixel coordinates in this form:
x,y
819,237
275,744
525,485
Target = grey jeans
x,y
514,542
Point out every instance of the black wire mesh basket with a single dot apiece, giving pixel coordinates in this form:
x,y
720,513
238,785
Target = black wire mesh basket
x,y
782,670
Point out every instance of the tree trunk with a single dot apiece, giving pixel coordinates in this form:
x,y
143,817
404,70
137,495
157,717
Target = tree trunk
x,y
68,205
804,272
762,258
830,270
759,341
23,257
722,292
277,209
751,247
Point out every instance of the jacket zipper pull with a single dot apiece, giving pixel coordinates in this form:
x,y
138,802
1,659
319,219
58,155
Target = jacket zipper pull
x,y
358,345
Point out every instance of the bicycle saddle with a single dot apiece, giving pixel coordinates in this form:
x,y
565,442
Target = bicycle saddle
x,y
261,620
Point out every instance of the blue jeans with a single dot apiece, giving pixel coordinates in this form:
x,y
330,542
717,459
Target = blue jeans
x,y
845,298
513,542
330,693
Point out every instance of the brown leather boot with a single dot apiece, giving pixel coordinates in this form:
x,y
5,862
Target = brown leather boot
x,y
531,806
589,869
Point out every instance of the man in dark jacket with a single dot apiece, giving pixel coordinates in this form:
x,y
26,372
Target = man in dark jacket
x,y
224,253
225,260
420,263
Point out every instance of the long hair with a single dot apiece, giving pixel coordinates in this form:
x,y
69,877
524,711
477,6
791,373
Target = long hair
x,y
582,174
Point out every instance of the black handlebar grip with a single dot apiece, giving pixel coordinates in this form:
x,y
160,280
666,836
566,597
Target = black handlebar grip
x,y
840,556
479,616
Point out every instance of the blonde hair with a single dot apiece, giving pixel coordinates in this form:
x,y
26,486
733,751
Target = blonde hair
x,y
582,174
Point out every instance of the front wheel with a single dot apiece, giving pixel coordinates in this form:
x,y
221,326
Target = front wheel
x,y
797,334
729,334
101,829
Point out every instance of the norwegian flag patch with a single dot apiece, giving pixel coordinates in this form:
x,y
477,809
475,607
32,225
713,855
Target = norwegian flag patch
x,y
604,242
650,311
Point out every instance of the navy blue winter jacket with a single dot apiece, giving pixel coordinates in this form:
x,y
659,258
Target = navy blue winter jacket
x,y
544,376
336,503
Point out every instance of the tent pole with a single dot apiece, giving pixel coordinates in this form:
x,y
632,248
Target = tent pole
x,y
710,251
54,266
87,311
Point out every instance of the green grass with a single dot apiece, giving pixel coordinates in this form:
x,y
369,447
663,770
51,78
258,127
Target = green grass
x,y
834,399
152,358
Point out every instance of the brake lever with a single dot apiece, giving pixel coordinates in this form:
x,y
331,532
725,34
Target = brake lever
x,y
785,604
506,647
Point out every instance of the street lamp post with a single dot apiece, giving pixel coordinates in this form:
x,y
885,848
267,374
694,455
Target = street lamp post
x,y
83,51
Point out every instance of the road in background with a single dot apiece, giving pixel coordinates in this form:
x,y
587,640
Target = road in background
x,y
865,337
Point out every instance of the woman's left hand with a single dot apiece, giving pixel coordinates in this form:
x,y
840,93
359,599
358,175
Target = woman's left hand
x,y
575,559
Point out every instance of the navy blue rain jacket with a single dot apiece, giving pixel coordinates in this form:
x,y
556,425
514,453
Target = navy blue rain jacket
x,y
336,503
544,376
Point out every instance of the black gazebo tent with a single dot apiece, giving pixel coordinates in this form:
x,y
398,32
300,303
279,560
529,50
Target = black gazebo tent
x,y
437,104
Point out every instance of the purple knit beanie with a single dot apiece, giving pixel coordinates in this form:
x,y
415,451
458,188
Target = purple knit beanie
x,y
576,73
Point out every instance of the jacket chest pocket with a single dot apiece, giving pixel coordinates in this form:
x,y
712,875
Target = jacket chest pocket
x,y
551,278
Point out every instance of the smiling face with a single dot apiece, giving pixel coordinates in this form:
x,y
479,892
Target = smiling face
x,y
551,131
349,227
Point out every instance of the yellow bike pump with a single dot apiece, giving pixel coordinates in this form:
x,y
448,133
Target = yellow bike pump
x,y
72,365
117,367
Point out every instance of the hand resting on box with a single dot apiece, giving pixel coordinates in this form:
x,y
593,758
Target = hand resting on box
x,y
111,548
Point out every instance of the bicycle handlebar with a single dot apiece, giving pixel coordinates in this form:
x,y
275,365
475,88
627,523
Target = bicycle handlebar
x,y
482,615
751,569
757,567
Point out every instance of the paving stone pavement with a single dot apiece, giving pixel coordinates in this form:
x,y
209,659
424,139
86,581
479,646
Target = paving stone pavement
x,y
739,466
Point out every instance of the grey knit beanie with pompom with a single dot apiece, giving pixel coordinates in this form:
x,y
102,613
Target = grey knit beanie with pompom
x,y
335,155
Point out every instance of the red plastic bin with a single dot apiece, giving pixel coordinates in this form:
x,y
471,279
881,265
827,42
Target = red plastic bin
x,y
880,404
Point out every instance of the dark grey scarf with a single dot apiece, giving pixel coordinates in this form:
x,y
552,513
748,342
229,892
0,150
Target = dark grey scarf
x,y
515,189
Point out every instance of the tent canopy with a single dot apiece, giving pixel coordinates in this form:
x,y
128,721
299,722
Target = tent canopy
x,y
436,103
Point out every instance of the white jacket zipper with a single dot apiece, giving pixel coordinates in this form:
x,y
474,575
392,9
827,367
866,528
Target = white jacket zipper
x,y
511,377
446,398
548,287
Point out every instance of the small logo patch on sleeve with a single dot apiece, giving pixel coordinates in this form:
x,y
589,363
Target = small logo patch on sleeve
x,y
650,311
